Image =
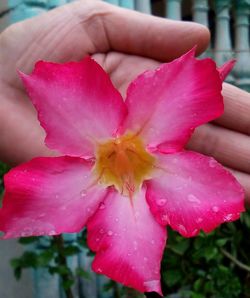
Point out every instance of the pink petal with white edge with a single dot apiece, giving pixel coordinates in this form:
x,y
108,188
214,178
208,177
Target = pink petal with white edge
x,y
192,192
49,196
77,104
128,241
226,68
165,105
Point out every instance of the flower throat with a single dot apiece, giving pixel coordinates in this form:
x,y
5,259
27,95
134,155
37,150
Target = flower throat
x,y
124,163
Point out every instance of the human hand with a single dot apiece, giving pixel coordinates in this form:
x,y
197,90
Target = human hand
x,y
227,139
125,43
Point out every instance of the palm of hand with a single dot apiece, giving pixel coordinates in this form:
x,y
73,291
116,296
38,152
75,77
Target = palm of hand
x,y
125,46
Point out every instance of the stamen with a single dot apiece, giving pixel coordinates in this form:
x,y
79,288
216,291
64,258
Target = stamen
x,y
124,163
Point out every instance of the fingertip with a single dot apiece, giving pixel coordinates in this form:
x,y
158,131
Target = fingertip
x,y
201,37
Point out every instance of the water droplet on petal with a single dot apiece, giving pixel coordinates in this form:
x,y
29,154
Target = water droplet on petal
x,y
165,219
116,219
182,229
110,233
161,202
152,241
25,233
99,270
215,209
56,195
83,193
101,231
102,206
199,220
52,232
194,232
192,198
228,217
145,259
151,285
212,163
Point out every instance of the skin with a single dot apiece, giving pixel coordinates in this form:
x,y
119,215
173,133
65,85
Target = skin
x,y
119,40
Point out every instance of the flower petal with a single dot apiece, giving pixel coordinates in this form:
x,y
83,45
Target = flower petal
x,y
76,103
193,192
225,69
48,196
128,241
166,104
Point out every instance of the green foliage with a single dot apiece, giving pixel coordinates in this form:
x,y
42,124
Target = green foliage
x,y
214,265
50,253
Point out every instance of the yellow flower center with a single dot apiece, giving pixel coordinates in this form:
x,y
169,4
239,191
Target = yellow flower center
x,y
124,163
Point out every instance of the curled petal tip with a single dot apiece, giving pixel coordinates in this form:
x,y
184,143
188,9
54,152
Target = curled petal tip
x,y
226,68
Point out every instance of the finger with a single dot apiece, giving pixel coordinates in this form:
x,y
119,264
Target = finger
x,y
121,68
86,27
230,148
244,180
237,109
153,37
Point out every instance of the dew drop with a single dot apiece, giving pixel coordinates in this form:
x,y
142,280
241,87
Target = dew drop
x,y
199,220
56,195
102,206
192,198
99,270
228,217
145,259
152,242
97,239
161,202
52,232
151,285
116,219
26,233
165,218
101,231
212,163
83,193
41,215
182,229
110,233
215,209
194,232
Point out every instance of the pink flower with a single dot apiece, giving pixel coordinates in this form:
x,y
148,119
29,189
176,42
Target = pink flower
x,y
125,174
